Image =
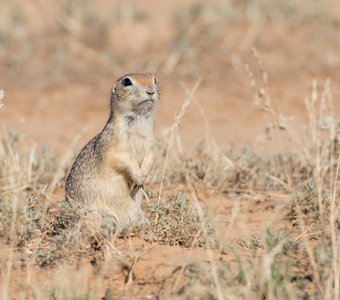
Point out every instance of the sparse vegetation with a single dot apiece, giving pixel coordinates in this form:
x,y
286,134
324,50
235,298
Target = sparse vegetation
x,y
257,221
298,263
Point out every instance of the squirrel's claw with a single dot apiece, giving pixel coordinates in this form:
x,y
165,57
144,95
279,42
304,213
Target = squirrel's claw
x,y
135,189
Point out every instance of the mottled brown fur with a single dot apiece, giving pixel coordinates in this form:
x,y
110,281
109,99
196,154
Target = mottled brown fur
x,y
106,177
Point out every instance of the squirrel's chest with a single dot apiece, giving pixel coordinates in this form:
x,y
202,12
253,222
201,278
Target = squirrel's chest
x,y
138,142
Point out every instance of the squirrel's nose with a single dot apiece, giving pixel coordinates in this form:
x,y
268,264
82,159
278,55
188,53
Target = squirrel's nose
x,y
150,90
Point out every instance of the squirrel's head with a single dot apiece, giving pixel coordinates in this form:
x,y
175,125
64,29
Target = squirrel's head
x,y
135,95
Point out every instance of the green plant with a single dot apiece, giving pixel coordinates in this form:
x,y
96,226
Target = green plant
x,y
174,222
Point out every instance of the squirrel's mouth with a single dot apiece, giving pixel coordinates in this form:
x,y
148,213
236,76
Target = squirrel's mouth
x,y
144,107
146,101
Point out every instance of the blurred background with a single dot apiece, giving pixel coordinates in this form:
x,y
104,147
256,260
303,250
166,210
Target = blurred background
x,y
59,59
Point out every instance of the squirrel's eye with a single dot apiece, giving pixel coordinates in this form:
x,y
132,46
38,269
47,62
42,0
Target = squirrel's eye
x,y
126,82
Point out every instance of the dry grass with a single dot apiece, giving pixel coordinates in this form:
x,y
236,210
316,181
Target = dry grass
x,y
38,234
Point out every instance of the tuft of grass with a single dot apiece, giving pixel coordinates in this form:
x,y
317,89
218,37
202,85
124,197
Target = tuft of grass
x,y
174,222
30,215
254,243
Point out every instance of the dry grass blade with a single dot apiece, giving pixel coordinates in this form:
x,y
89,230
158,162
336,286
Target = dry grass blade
x,y
334,213
220,294
2,95
12,234
208,127
172,131
309,248
129,276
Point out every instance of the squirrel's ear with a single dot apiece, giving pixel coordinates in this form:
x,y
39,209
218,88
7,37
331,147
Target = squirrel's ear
x,y
113,89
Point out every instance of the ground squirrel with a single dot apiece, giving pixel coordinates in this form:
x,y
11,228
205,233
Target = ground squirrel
x,y
108,174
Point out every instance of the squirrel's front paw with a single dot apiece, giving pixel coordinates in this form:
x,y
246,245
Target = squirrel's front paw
x,y
138,178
